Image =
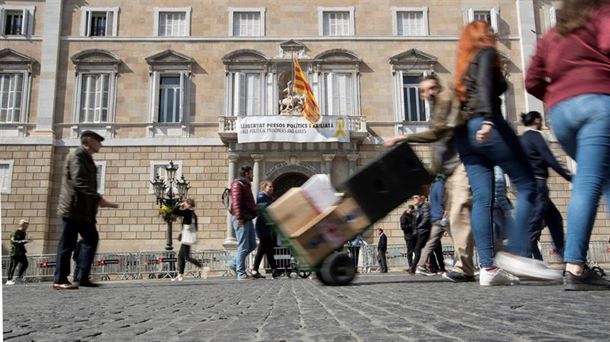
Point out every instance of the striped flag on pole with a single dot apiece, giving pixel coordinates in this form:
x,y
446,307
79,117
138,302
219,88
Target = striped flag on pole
x,y
311,112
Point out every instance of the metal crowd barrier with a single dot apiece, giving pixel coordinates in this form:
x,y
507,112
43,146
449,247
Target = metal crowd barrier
x,y
396,257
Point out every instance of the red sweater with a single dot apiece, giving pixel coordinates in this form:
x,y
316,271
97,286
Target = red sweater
x,y
577,64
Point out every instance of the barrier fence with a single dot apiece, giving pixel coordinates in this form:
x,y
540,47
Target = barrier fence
x,y
162,264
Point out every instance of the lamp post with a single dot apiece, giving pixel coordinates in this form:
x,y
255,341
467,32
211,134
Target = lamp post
x,y
164,192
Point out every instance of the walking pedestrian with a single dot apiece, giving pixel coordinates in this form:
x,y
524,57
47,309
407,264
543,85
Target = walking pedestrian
x,y
186,209
486,140
78,203
437,212
243,211
407,225
18,253
382,249
541,158
570,73
266,245
445,160
354,249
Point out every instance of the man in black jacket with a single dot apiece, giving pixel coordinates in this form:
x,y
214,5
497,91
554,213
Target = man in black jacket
x,y
382,248
423,226
78,203
407,220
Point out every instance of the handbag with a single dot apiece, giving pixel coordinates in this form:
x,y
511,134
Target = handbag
x,y
188,234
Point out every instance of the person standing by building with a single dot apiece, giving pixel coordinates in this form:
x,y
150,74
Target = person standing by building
x,y
407,221
18,253
445,160
354,249
437,212
266,245
382,249
423,227
243,212
186,209
541,158
78,203
487,140
570,73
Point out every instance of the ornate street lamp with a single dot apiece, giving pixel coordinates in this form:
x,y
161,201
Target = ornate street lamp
x,y
167,199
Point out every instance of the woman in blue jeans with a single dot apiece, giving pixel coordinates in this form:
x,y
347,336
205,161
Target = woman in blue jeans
x,y
571,72
485,141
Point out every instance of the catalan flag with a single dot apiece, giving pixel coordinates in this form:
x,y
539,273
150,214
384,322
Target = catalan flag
x,y
311,112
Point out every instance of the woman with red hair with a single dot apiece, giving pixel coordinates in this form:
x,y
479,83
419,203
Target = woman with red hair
x,y
487,140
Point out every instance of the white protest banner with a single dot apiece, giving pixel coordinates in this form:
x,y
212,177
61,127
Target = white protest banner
x,y
292,129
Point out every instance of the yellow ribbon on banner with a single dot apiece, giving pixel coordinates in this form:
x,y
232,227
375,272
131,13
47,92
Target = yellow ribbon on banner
x,y
340,129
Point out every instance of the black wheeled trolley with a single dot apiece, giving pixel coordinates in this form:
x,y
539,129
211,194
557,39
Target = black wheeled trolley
x,y
315,238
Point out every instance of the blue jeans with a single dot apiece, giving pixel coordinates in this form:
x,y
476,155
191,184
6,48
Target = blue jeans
x,y
582,126
67,243
246,243
502,149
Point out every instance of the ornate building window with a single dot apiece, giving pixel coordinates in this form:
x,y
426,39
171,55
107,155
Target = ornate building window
x,y
407,68
246,22
169,93
246,83
15,87
95,91
99,22
336,21
410,21
16,20
337,83
172,22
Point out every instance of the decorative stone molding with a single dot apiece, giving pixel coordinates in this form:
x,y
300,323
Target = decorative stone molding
x,y
170,60
413,59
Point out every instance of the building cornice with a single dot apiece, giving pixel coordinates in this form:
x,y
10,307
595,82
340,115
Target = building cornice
x,y
203,39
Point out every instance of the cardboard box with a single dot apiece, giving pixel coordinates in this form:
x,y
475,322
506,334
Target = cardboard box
x,y
292,211
320,192
329,230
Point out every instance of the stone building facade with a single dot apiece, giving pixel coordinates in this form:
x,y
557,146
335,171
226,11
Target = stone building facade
x,y
166,80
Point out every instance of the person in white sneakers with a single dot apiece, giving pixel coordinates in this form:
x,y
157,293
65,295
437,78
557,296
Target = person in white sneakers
x,y
18,253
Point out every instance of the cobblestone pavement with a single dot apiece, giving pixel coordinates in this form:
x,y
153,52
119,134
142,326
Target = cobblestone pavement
x,y
392,307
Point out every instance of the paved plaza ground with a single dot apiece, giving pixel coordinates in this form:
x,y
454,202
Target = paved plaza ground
x,y
377,307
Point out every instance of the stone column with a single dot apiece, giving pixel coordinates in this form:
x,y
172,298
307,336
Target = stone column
x,y
527,42
328,164
230,241
256,168
353,163
48,67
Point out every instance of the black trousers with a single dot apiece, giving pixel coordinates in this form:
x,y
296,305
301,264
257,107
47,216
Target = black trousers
x,y
410,249
12,266
183,255
545,212
383,263
67,243
422,238
265,247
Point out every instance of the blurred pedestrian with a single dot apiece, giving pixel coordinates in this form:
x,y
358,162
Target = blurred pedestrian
x,y
541,158
486,140
266,245
354,249
243,212
570,73
186,210
18,253
78,203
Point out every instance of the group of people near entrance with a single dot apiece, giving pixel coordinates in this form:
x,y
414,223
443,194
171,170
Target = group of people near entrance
x,y
570,72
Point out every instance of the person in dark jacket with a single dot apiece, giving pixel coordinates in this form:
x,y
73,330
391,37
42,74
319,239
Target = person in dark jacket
x,y
243,212
487,140
432,249
570,72
407,225
541,158
382,248
18,253
263,231
186,209
423,226
78,203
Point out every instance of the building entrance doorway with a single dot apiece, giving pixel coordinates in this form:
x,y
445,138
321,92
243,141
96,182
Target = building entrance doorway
x,y
286,181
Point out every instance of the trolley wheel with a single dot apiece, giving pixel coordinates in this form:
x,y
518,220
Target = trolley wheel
x,y
338,269
322,279
304,274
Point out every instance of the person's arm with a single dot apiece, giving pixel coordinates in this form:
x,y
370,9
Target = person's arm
x,y
547,155
603,31
236,201
486,82
536,80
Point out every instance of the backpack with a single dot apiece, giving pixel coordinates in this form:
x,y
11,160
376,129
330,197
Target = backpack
x,y
226,199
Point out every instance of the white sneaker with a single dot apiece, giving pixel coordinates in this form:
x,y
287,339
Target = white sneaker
x,y
527,267
178,278
10,282
497,277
